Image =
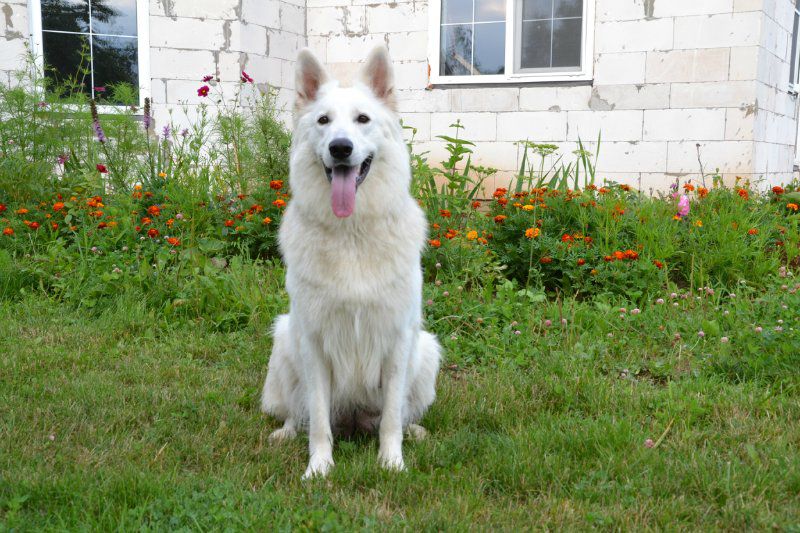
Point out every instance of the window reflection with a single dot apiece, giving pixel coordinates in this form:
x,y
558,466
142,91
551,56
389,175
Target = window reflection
x,y
115,61
65,15
456,45
472,37
114,17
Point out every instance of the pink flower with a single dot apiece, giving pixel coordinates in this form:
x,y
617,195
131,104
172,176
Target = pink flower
x,y
649,443
207,78
203,91
548,323
683,206
246,78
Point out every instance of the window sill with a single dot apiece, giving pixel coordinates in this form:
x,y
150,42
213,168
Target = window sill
x,y
513,80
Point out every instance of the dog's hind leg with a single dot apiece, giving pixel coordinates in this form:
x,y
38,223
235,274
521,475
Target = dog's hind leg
x,y
416,432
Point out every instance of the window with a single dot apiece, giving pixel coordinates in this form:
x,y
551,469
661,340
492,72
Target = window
x,y
96,43
794,66
496,41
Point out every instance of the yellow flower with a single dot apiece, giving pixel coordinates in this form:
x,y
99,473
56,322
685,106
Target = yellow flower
x,y
162,174
532,232
698,223
472,235
528,207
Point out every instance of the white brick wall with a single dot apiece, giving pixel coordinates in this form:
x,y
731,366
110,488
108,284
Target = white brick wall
x,y
668,74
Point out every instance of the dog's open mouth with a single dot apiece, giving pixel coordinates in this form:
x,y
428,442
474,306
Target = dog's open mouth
x,y
344,182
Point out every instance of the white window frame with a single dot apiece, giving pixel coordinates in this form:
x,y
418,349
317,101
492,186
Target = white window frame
x,y
143,50
794,70
585,73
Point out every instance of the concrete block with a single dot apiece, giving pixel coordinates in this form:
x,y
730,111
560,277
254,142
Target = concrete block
x,y
396,17
620,68
634,35
708,64
538,98
408,46
744,63
545,126
262,12
739,124
715,31
477,126
612,125
728,156
619,97
712,94
190,34
632,157
482,99
684,124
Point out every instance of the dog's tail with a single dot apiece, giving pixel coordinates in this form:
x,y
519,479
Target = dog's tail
x,y
423,388
280,372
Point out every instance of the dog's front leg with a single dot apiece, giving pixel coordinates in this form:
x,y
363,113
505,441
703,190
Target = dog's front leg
x,y
393,378
320,438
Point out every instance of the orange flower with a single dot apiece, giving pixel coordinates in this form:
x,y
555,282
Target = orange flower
x,y
630,254
95,201
500,218
229,223
137,187
566,238
22,211
32,225
146,221
659,265
3,207
154,210
532,233
502,201
451,233
608,258
152,233
752,231
276,185
476,204
435,243
279,203
444,213
593,272
173,241
481,240
743,194
266,220
528,207
58,206
170,222
581,261
240,228
625,188
500,191
792,207
619,256
546,260
8,232
256,208
778,190
702,192
102,225
472,235
603,190
688,187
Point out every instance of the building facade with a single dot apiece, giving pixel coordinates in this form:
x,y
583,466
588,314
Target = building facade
x,y
667,83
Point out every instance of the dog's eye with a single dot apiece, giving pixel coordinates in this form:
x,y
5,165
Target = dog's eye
x,y
323,119
362,119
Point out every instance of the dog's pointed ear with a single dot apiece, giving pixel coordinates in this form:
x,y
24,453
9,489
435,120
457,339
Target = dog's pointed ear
x,y
310,75
378,75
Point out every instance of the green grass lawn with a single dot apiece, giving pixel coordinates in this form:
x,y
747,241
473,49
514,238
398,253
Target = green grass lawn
x,y
119,421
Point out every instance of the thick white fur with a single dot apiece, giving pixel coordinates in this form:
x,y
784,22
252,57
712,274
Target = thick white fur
x,y
351,352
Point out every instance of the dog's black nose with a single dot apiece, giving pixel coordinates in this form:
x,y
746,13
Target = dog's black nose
x,y
341,148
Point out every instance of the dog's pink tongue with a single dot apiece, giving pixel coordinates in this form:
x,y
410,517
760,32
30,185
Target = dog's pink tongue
x,y
343,190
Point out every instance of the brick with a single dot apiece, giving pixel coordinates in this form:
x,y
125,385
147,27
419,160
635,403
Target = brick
x,y
632,157
739,124
190,34
556,99
650,96
412,75
715,31
337,20
685,124
728,156
744,63
206,9
719,94
535,126
634,36
477,126
180,64
683,8
293,18
710,64
262,12
408,46
476,98
345,48
614,125
619,10
386,18
616,68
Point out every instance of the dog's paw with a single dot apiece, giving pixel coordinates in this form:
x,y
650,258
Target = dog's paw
x,y
392,462
282,435
416,432
318,467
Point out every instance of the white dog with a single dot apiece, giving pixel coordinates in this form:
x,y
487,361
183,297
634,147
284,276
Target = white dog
x,y
351,352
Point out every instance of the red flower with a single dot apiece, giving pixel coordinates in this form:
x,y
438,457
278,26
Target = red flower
x,y
276,185
154,210
659,265
499,192
173,241
630,254
279,203
502,201
102,225
246,78
778,190
608,258
33,225
445,213
566,238
581,261
203,91
152,233
207,78
58,206
546,260
229,223
499,219
744,194
101,168
435,243
476,204
3,207
752,231
8,232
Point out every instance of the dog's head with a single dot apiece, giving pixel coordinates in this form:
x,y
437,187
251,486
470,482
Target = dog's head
x,y
343,132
